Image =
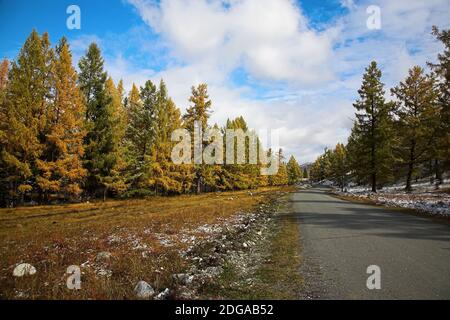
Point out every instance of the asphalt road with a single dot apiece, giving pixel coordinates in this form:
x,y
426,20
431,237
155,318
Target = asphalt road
x,y
341,239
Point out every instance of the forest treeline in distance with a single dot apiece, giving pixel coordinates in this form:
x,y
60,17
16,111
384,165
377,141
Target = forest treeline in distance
x,y
70,136
400,140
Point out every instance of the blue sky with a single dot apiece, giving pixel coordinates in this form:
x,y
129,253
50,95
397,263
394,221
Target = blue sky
x,y
99,17
294,66
106,19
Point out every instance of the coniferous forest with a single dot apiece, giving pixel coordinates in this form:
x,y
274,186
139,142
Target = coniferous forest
x,y
399,140
68,135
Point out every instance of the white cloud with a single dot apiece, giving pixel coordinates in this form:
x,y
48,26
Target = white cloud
x,y
271,41
349,4
267,37
120,68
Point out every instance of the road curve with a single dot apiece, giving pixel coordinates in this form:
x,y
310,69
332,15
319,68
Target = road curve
x,y
340,239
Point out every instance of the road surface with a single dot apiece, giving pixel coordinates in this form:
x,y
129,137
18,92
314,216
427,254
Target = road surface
x,y
341,239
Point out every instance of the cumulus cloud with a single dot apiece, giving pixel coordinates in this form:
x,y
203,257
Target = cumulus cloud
x,y
297,79
269,38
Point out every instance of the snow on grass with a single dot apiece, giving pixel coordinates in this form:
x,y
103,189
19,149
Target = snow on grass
x,y
424,197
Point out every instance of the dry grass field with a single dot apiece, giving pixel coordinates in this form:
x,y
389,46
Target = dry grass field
x,y
146,239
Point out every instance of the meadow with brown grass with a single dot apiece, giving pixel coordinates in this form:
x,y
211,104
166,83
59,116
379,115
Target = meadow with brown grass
x,y
118,243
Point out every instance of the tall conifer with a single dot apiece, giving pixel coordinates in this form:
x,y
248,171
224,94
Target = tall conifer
x,y
417,119
26,104
373,125
101,155
60,167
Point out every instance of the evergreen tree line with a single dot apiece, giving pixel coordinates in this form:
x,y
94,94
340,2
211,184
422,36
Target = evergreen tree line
x,y
400,140
68,135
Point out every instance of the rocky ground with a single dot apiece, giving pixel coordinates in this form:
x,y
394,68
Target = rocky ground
x,y
240,243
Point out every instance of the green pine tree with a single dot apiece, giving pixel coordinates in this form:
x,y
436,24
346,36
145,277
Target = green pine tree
x,y
441,145
4,70
321,168
137,140
374,129
417,114
101,143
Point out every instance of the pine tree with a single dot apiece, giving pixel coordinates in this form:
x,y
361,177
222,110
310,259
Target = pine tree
x,y
417,117
245,175
165,176
373,124
115,182
294,171
60,167
321,168
138,132
314,171
339,165
144,121
282,175
441,144
149,96
4,70
101,155
118,110
135,140
199,112
26,108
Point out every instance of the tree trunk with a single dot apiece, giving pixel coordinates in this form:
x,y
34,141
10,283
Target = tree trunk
x,y
438,173
199,184
374,182
410,165
409,177
373,151
431,169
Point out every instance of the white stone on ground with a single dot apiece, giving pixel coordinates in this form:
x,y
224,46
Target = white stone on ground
x,y
163,295
143,290
24,269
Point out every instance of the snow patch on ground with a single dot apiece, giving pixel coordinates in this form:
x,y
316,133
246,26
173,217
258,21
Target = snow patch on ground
x,y
424,197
